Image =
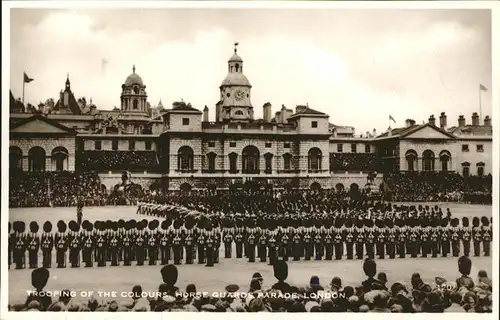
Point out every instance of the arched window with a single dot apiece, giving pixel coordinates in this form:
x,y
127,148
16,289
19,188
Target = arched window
x,y
428,160
287,161
15,158
185,158
465,169
237,67
411,160
238,113
60,157
339,187
480,169
314,159
269,162
445,158
315,186
211,161
136,104
36,159
233,166
354,188
250,159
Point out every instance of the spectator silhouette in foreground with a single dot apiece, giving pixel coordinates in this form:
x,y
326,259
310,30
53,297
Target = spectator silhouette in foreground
x,y
280,269
39,278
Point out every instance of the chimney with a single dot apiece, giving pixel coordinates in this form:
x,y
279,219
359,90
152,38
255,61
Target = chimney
x,y
475,119
389,131
432,120
334,132
374,132
487,121
267,112
442,121
217,111
461,121
205,114
409,122
368,134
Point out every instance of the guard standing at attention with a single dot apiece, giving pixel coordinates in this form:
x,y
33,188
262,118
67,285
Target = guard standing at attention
x,y
33,240
61,242
47,244
466,235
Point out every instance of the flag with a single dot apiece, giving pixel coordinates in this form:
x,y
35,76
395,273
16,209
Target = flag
x,y
27,79
482,88
391,118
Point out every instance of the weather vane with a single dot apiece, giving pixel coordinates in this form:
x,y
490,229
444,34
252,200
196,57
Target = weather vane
x,y
236,47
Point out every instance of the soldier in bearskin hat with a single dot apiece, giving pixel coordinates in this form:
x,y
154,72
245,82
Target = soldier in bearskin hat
x,y
425,239
189,241
359,235
209,245
114,243
445,238
455,237
140,243
262,246
251,243
177,241
47,244
227,237
391,239
413,239
464,267
101,244
200,241
239,238
39,278
152,242
272,248
329,241
349,236
477,236
338,239
169,276
121,234
74,242
61,243
87,244
486,235
20,244
370,238
33,241
466,235
164,243
127,242
381,238
402,235
308,243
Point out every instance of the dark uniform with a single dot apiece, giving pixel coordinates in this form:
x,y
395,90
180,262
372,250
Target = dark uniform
x,y
88,244
239,238
262,248
251,240
74,244
115,242
285,242
79,212
455,237
486,236
308,245
477,236
189,245
338,239
47,244
466,235
61,243
20,244
33,241
153,242
329,243
445,238
164,243
228,242
402,233
349,236
209,243
101,244
273,249
381,239
413,240
391,240
360,239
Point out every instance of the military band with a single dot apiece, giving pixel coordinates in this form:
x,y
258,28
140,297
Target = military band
x,y
111,243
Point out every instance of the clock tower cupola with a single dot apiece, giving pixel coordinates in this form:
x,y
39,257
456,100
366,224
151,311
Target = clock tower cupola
x,y
235,92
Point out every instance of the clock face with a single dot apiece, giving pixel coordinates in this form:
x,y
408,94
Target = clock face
x,y
239,95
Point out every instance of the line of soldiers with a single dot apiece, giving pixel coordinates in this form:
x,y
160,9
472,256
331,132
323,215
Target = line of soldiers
x,y
124,242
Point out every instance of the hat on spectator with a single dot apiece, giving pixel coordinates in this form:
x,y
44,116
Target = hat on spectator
x,y
33,305
208,308
232,288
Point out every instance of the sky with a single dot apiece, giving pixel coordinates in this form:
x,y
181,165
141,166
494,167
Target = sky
x,y
358,66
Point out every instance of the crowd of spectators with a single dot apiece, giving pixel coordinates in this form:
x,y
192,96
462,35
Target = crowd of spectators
x,y
437,186
353,162
102,160
375,294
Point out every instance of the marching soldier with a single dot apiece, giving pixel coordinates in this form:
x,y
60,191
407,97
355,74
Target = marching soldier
x,y
466,235
455,237
47,244
349,233
88,244
61,241
33,245
209,242
74,244
262,249
477,236
487,237
228,242
445,238
360,239
164,243
20,239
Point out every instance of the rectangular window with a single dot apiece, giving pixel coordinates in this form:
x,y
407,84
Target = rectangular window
x,y
286,145
314,124
479,148
131,145
367,148
232,144
354,148
98,144
114,145
148,145
211,144
465,148
340,147
269,144
185,121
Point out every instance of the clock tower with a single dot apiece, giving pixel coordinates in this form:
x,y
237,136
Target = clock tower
x,y
235,104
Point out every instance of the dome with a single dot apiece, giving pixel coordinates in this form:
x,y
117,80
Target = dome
x,y
133,78
236,79
235,58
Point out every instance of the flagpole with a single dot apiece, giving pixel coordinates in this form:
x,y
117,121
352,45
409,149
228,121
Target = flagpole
x,y
24,82
480,107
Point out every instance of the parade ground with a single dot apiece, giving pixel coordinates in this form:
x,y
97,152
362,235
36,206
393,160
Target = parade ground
x,y
228,271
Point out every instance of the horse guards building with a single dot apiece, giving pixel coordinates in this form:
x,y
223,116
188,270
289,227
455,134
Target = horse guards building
x,y
179,148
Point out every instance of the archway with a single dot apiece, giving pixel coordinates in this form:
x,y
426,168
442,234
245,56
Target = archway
x,y
60,157
15,158
233,162
315,186
314,157
428,160
268,159
354,188
411,160
339,187
36,159
250,159
445,159
287,161
185,187
185,158
465,169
